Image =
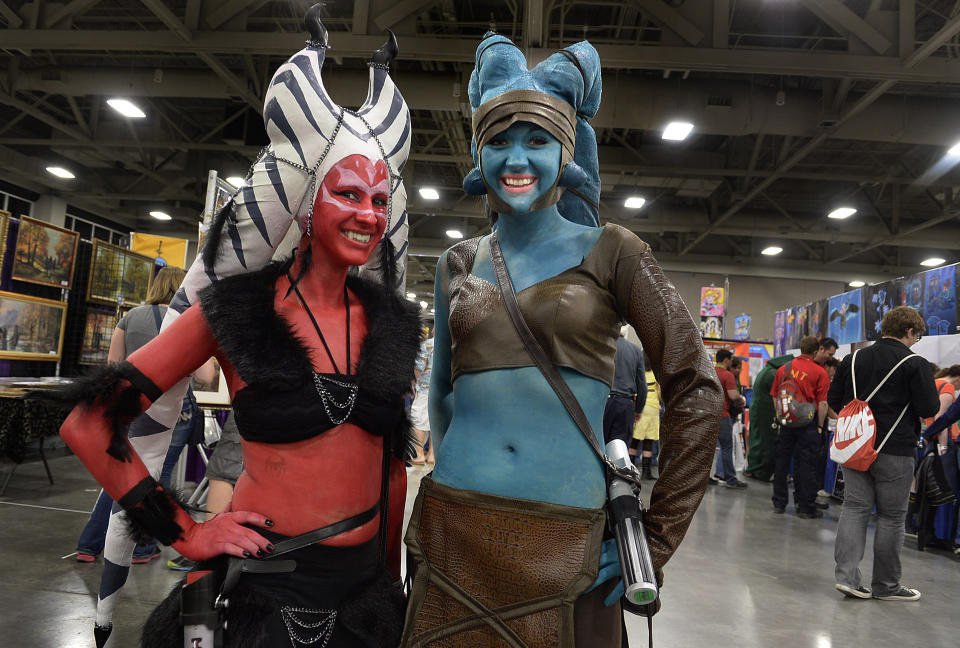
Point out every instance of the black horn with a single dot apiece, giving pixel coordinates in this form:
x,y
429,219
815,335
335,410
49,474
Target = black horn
x,y
388,52
312,23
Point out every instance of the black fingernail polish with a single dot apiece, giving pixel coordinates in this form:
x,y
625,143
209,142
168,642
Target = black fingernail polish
x,y
247,554
269,547
259,552
269,522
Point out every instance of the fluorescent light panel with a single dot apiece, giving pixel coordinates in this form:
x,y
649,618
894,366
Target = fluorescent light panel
x,y
773,250
159,215
236,181
856,283
954,150
842,212
429,193
933,261
454,234
60,172
634,202
126,108
423,304
677,131
411,295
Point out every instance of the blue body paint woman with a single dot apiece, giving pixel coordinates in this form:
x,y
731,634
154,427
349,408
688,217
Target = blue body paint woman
x,y
508,533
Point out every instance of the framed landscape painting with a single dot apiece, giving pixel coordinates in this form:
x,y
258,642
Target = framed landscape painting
x,y
31,328
98,330
4,226
44,253
118,276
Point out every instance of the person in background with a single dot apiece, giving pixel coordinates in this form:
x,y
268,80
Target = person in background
x,y
943,434
801,444
419,414
828,347
731,396
763,425
907,395
830,365
646,431
628,393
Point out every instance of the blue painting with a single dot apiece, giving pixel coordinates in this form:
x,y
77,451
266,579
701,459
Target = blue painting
x,y
845,321
789,327
911,291
817,315
741,327
939,300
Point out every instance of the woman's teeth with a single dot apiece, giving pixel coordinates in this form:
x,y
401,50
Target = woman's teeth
x,y
357,236
519,182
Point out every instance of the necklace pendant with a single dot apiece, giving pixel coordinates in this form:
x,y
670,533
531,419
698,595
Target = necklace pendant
x,y
338,407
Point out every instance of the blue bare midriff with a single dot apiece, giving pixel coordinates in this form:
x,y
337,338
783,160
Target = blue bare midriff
x,y
511,436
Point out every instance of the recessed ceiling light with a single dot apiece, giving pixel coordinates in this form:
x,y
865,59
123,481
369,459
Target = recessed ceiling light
x,y
423,304
677,131
411,295
454,234
126,108
842,212
954,150
432,312
933,261
773,250
857,283
236,181
159,215
60,172
634,202
429,193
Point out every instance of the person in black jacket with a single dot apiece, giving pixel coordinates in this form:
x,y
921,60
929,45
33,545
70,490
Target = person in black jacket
x,y
907,396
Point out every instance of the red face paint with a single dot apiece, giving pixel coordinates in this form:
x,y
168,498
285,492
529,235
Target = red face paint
x,y
350,211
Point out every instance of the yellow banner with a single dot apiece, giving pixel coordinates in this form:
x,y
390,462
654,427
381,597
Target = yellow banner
x,y
172,250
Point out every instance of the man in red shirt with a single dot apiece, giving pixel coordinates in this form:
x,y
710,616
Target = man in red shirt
x,y
801,443
730,393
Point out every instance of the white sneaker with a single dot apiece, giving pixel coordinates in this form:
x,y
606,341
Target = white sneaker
x,y
859,592
904,594
823,493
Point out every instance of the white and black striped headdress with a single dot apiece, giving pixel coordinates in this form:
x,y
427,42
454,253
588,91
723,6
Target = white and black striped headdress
x,y
309,133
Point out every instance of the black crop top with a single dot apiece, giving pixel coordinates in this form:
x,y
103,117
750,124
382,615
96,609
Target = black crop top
x,y
280,402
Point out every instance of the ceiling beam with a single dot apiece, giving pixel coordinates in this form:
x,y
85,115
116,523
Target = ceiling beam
x,y
168,18
533,23
399,11
705,59
13,20
70,10
667,16
721,23
238,84
845,21
906,27
228,10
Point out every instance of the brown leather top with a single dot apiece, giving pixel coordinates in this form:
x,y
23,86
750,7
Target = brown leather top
x,y
575,316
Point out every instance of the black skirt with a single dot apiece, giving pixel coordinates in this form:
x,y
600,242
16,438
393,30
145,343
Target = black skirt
x,y
337,596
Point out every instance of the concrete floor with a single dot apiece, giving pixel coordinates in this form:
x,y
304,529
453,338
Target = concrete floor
x,y
743,577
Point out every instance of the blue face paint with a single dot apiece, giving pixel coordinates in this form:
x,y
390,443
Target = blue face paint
x,y
521,164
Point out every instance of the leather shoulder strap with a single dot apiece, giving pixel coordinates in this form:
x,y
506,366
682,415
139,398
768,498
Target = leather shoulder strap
x,y
547,368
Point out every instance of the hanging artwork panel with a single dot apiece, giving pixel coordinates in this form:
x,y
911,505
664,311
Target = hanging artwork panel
x,y
940,300
878,300
118,276
845,320
711,301
741,327
31,328
779,332
818,318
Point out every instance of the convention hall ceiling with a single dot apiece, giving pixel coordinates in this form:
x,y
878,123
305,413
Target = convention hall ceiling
x,y
798,107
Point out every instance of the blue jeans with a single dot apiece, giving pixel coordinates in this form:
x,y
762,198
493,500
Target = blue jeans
x,y
726,450
181,435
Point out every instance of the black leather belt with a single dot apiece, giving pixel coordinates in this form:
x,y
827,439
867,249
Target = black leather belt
x,y
616,395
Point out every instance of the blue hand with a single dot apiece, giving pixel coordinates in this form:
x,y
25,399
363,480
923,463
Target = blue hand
x,y
609,569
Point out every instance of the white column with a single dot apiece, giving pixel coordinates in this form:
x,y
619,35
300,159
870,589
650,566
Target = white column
x,y
51,209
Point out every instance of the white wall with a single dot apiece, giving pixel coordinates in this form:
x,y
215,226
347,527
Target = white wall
x,y
758,297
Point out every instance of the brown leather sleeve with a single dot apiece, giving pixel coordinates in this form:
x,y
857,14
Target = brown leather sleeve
x,y
691,394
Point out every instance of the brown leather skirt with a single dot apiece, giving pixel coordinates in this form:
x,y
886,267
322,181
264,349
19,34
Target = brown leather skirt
x,y
497,572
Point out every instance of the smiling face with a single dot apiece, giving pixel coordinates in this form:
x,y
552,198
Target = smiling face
x,y
521,164
350,211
